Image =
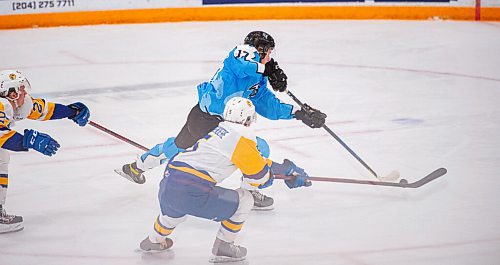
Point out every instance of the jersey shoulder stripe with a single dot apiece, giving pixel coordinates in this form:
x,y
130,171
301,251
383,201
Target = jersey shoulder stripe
x,y
42,110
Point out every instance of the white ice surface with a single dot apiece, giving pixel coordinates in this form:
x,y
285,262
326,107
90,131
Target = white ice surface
x,y
407,95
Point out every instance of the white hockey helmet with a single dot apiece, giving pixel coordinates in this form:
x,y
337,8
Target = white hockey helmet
x,y
12,81
240,110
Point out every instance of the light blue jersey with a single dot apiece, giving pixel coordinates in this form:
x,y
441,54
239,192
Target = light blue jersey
x,y
241,76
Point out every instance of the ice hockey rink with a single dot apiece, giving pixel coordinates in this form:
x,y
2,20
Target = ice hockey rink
x,y
411,96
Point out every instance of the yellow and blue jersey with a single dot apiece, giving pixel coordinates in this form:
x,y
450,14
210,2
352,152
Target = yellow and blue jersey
x,y
6,121
225,149
42,110
33,109
241,76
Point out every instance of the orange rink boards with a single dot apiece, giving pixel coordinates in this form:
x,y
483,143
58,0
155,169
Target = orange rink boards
x,y
247,13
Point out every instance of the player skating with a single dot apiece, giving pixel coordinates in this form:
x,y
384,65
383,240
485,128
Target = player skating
x,y
245,73
189,185
15,105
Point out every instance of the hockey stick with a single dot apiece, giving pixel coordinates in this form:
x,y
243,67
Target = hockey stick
x,y
123,138
394,175
403,183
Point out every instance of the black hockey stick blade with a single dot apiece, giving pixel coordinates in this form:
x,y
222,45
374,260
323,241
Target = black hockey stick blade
x,y
432,176
403,183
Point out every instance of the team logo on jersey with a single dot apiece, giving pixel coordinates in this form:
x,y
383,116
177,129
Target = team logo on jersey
x,y
254,89
12,76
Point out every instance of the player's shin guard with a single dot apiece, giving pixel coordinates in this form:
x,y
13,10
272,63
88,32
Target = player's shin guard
x,y
158,155
229,228
224,249
3,188
164,225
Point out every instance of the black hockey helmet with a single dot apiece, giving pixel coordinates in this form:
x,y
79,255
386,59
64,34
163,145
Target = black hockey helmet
x,y
261,41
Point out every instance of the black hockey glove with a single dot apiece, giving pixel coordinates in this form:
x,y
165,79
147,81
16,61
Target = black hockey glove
x,y
277,78
271,67
278,81
310,116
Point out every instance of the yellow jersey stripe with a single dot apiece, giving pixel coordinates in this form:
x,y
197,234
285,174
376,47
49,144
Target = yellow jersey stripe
x,y
6,137
194,172
247,158
269,162
4,120
38,108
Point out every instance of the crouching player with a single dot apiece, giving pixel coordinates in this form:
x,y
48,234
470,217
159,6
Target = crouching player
x,y
189,186
16,104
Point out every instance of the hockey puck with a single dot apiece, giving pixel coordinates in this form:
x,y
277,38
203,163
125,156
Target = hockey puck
x,y
403,181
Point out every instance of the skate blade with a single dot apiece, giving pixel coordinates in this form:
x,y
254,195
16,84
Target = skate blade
x,y
120,172
151,251
223,259
267,208
12,229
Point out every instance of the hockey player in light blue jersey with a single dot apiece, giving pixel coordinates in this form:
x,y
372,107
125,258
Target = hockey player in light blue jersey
x,y
246,72
190,184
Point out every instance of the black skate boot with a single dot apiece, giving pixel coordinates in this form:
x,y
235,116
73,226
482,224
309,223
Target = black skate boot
x,y
132,173
261,202
10,223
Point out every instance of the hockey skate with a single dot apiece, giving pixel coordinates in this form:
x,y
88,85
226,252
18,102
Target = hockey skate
x,y
147,245
132,173
227,252
261,202
10,223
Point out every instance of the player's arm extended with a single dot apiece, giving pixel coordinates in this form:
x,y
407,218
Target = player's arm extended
x,y
44,110
269,106
14,141
11,140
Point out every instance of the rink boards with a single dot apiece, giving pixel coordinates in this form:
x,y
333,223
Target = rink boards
x,y
50,13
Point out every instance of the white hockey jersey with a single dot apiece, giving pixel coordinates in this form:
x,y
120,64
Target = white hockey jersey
x,y
225,149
